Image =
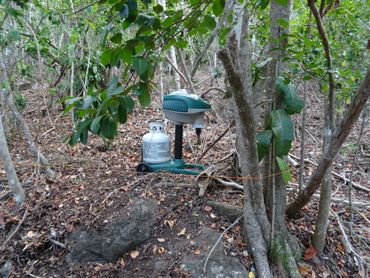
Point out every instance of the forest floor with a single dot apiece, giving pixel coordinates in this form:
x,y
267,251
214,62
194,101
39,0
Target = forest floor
x,y
93,181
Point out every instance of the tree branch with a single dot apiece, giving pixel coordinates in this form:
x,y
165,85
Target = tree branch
x,y
338,138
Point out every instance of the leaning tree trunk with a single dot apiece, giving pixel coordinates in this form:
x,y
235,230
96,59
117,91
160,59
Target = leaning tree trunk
x,y
337,140
33,149
253,223
11,174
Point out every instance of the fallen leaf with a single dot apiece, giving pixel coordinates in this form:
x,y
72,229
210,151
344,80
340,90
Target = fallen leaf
x,y
170,223
197,252
155,248
310,252
161,239
304,269
208,208
251,274
134,254
122,262
182,232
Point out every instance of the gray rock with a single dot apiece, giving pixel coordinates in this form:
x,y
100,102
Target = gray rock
x,y
218,266
114,239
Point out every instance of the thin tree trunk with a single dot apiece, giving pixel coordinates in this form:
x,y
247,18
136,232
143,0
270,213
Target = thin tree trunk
x,y
185,71
322,219
228,7
33,149
338,138
11,174
174,62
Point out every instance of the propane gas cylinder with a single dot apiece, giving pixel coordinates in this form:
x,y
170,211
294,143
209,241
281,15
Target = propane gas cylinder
x,y
156,146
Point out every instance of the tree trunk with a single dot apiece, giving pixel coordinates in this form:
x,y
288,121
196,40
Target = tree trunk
x,y
228,7
11,174
33,149
338,138
254,224
322,219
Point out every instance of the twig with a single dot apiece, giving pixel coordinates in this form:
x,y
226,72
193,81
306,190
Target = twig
x,y
176,69
218,240
87,6
354,162
215,141
230,184
337,200
347,244
16,229
212,89
62,245
346,180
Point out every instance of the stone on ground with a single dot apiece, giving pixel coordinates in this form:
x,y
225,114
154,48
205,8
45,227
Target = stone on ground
x,y
111,241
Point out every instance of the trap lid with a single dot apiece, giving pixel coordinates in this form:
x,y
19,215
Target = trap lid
x,y
182,102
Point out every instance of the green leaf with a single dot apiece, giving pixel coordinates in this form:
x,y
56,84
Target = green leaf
x,y
263,4
291,101
144,99
87,102
127,102
158,9
84,136
307,77
282,127
218,7
140,65
194,2
12,12
74,137
117,38
282,23
105,57
95,125
284,170
144,96
209,22
126,55
14,35
282,2
122,114
263,139
108,127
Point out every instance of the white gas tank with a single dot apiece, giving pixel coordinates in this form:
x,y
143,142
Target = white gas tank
x,y
156,146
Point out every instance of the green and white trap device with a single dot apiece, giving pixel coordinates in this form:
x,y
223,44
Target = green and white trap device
x,y
180,108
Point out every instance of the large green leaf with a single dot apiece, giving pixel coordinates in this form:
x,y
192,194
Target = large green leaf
x,y
284,170
144,98
291,101
140,65
282,127
108,127
263,139
218,7
122,114
95,125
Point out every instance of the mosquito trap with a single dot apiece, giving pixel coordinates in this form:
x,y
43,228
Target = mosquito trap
x,y
180,108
